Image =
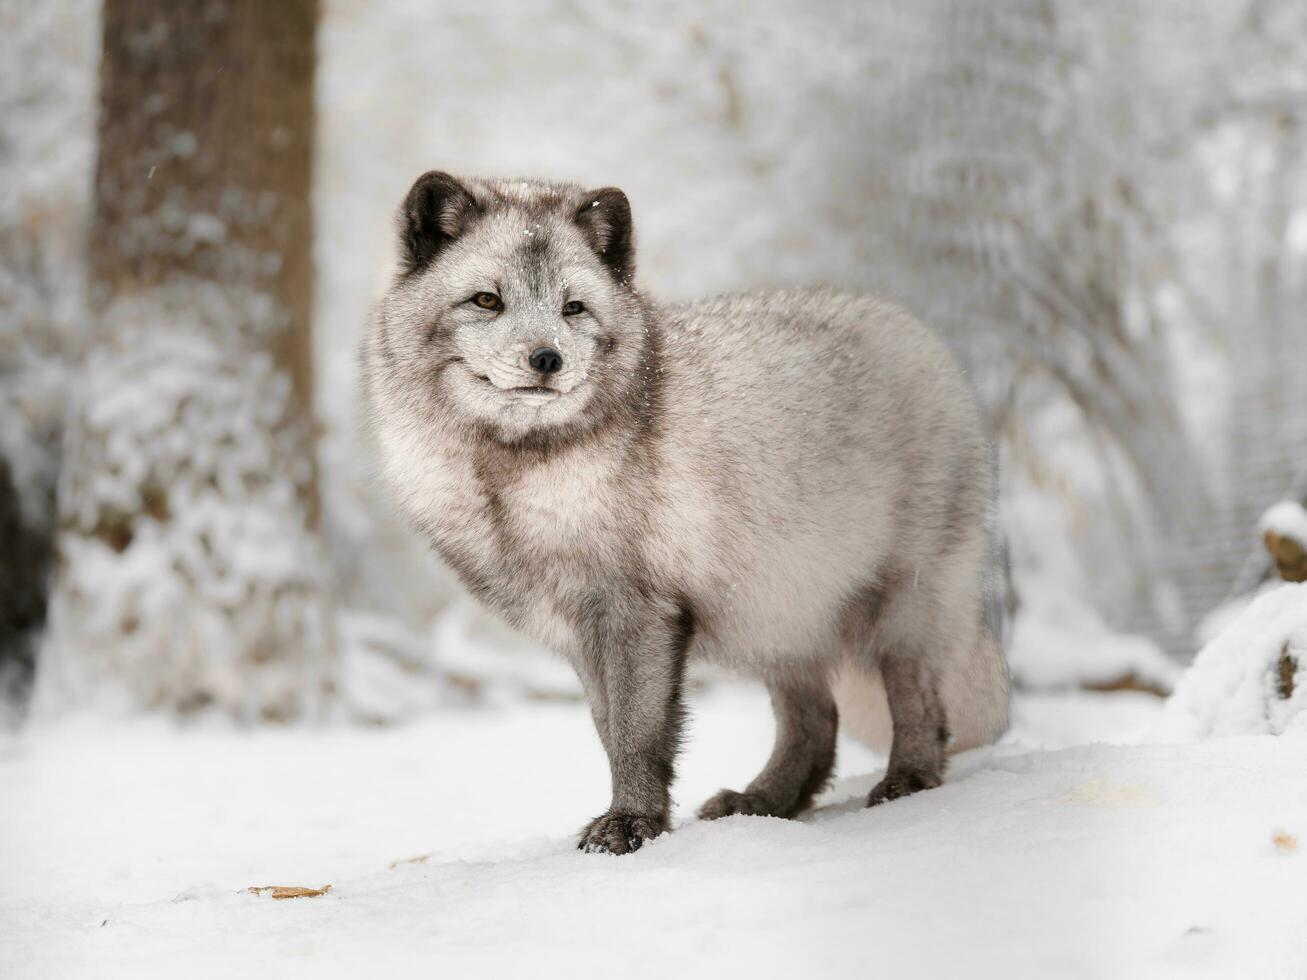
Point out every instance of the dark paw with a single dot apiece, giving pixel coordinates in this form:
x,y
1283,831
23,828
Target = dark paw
x,y
619,833
729,802
902,782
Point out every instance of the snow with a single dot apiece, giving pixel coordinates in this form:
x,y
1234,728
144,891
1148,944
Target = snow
x,y
1234,686
1215,622
1063,851
1288,519
391,673
1106,834
1059,640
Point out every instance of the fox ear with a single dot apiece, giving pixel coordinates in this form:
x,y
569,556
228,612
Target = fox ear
x,y
436,211
605,217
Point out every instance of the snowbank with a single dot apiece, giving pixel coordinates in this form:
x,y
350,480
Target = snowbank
x,y
449,848
1252,678
1060,641
1215,622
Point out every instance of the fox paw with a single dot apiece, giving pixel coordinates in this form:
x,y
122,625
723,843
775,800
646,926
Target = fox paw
x,y
619,833
729,802
902,782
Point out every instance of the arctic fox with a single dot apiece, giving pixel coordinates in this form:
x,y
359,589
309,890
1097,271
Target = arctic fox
x,y
791,484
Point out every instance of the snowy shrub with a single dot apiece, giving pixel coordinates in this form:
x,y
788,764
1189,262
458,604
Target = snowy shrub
x,y
1251,679
1061,641
186,566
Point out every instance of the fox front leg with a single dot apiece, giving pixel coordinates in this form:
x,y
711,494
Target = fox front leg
x,y
632,667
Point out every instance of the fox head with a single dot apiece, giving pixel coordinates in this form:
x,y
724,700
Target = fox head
x,y
513,316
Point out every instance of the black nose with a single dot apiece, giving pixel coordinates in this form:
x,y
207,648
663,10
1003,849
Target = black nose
x,y
546,360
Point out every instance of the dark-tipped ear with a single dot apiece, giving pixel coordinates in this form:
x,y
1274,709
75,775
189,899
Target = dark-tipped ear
x,y
605,217
436,211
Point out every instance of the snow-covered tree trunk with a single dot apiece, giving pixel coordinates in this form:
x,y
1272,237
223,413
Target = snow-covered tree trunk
x,y
189,559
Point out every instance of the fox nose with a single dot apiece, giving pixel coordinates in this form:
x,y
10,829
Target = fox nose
x,y
546,360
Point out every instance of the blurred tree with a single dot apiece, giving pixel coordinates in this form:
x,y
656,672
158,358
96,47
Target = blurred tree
x,y
189,561
1096,203
1256,110
1023,203
46,154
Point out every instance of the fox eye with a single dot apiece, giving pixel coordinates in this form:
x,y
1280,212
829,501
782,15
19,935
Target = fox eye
x,y
488,301
572,308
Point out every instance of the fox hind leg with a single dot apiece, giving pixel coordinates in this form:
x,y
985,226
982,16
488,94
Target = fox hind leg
x,y
918,753
802,758
897,625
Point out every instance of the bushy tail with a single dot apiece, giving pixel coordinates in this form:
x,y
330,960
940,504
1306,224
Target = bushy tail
x,y
974,688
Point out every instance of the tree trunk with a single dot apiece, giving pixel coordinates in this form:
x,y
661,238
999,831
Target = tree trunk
x,y
190,565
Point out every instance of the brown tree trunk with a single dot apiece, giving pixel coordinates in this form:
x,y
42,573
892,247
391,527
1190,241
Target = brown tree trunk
x,y
206,157
190,563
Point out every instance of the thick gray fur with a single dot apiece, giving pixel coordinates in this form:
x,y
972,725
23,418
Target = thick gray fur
x,y
788,484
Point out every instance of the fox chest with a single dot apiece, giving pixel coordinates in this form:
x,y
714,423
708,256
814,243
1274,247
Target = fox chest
x,y
531,543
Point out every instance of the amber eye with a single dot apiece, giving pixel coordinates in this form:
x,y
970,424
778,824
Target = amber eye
x,y
572,308
488,301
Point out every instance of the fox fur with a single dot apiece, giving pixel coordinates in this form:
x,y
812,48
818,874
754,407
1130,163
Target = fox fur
x,y
792,485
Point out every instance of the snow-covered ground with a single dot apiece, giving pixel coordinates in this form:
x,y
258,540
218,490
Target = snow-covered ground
x,y
1072,849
